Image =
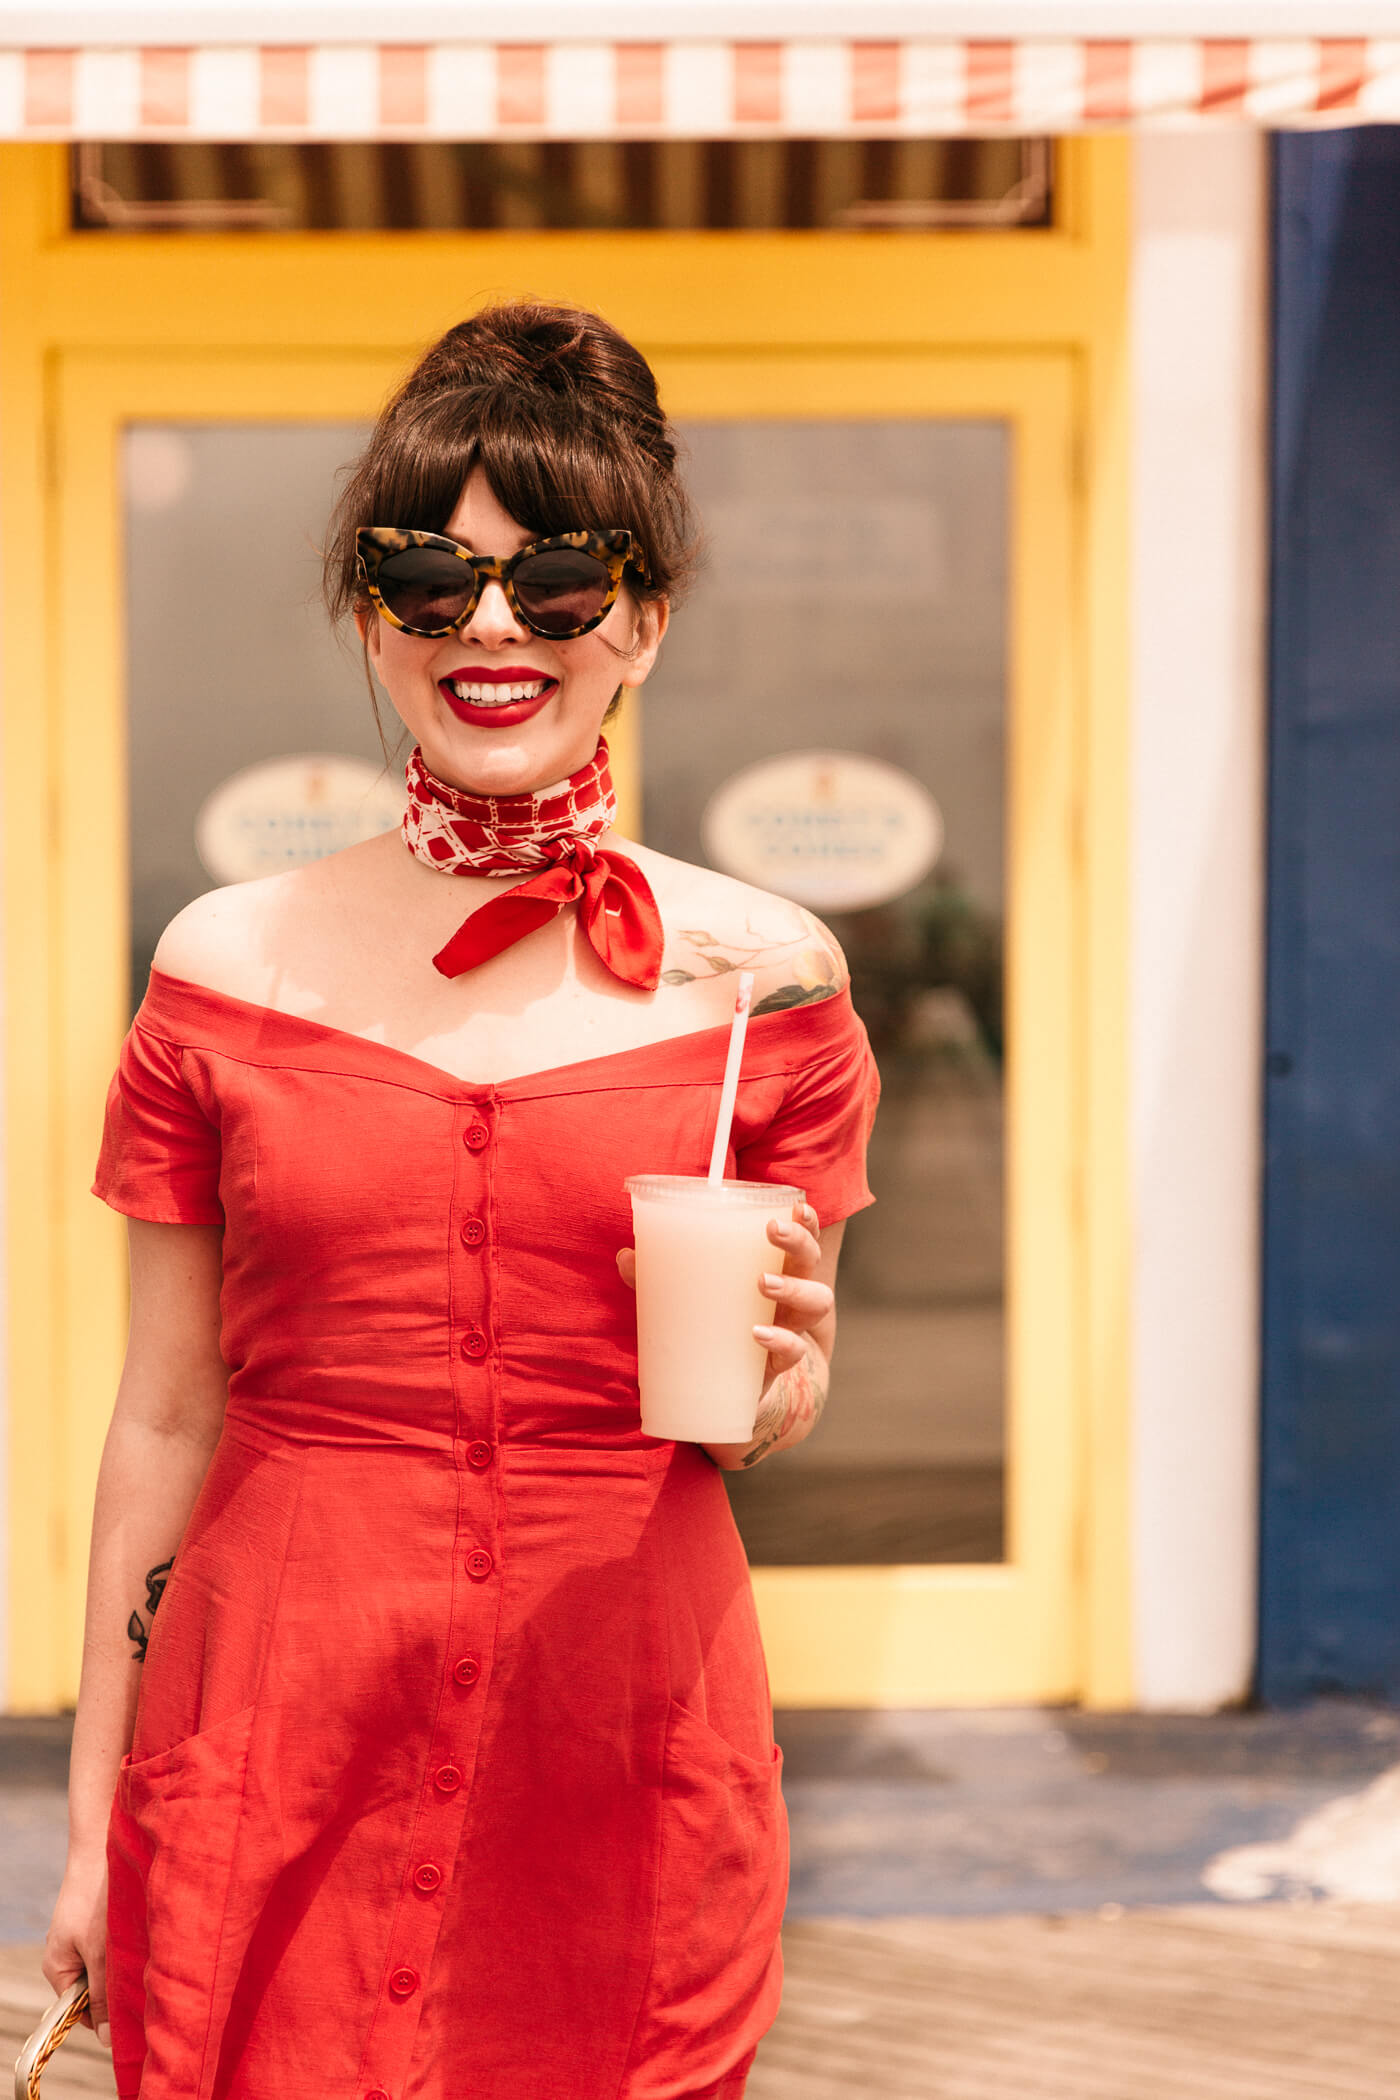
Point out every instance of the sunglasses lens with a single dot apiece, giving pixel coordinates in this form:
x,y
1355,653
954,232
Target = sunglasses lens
x,y
561,590
425,588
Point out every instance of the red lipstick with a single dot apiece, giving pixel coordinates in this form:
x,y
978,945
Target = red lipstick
x,y
491,713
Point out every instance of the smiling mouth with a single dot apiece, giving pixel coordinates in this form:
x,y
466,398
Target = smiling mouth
x,y
496,693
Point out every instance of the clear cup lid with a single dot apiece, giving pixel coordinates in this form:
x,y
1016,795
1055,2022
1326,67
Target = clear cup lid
x,y
728,1195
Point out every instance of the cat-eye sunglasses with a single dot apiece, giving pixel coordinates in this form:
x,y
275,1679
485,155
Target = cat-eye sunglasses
x,y
560,587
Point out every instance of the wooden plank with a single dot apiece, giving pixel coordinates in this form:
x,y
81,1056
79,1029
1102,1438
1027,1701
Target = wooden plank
x,y
1211,2003
1268,2002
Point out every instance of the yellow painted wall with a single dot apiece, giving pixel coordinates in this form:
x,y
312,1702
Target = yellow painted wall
x,y
97,330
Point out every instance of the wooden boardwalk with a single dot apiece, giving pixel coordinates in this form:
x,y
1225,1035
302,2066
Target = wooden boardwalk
x,y
1260,2003
1272,2002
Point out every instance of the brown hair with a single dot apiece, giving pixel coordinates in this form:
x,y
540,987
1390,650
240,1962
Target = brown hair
x,y
561,414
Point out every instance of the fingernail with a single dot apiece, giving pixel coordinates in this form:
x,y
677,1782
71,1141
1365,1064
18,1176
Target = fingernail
x,y
772,1283
104,2035
768,1334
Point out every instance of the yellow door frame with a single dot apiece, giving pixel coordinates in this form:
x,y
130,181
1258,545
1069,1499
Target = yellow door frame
x,y
96,331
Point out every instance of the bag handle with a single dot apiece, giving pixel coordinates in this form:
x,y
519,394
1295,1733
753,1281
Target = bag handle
x,y
62,2016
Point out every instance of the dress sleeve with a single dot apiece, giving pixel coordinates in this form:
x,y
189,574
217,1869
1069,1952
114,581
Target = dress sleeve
x,y
817,1139
160,1152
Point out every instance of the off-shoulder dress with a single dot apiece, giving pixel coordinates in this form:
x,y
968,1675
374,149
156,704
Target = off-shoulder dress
x,y
453,1774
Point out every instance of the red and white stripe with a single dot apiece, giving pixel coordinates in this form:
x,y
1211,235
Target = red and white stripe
x,y
797,88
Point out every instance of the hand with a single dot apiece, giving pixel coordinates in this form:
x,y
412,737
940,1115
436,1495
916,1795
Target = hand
x,y
798,1344
77,1940
803,1304
798,1341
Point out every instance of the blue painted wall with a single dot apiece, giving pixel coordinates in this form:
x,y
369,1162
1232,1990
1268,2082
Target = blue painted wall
x,y
1330,1591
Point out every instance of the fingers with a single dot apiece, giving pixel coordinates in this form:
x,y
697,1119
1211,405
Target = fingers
x,y
59,1967
64,1963
786,1348
800,1242
627,1266
803,1304
97,1994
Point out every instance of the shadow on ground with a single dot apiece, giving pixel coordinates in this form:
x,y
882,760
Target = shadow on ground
x,y
1044,1811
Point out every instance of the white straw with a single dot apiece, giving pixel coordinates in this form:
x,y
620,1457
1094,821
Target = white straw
x,y
730,1088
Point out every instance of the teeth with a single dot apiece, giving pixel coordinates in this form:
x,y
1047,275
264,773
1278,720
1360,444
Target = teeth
x,y
497,695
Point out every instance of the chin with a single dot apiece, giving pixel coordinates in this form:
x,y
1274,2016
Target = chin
x,y
506,761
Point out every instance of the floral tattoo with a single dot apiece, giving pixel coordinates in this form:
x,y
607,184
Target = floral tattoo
x,y
136,1628
813,958
794,1400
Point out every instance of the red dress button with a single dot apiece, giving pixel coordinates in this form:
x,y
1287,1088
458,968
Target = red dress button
x,y
474,1343
473,1232
467,1670
403,1982
476,1137
479,1456
447,1778
376,2092
427,1877
479,1564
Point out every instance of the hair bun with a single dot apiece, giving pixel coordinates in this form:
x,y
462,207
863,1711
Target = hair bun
x,y
561,350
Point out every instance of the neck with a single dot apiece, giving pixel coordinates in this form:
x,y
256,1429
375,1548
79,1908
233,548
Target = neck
x,y
462,830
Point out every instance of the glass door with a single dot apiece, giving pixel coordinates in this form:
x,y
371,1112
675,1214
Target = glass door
x,y
854,605
891,578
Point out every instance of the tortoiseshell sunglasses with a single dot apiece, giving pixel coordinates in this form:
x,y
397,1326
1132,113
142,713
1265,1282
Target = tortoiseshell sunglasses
x,y
559,587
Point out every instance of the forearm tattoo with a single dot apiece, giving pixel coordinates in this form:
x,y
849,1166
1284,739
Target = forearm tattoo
x,y
137,1628
813,960
794,1400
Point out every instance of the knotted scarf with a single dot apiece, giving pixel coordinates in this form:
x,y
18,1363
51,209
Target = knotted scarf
x,y
552,829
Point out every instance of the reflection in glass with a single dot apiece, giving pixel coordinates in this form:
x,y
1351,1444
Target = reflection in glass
x,y
230,657
855,599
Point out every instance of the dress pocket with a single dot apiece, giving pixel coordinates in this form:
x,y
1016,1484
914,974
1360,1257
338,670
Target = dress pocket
x,y
717,1971
176,1817
695,1741
170,1851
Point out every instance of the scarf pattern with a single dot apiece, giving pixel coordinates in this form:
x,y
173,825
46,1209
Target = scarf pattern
x,y
554,830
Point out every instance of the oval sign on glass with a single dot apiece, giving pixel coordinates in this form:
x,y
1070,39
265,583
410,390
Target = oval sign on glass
x,y
834,830
289,811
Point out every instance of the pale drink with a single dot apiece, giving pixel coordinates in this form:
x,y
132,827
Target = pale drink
x,y
701,1248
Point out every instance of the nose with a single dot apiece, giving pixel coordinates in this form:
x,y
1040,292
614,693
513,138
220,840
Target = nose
x,y
492,622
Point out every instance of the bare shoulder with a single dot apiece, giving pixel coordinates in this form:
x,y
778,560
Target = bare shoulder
x,y
716,925
216,940
242,939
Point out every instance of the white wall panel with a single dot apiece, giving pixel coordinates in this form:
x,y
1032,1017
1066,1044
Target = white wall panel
x,y
1199,349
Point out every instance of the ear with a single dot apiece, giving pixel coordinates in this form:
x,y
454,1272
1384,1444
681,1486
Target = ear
x,y
653,618
367,628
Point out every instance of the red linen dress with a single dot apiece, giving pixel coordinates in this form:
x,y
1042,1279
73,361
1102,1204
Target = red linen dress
x,y
453,1774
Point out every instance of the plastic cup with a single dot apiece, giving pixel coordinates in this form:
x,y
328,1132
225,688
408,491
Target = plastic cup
x,y
701,1247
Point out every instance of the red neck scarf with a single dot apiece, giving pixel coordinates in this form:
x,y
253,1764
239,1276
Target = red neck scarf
x,y
552,829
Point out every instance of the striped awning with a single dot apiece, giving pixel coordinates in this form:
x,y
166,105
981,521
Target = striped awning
x,y
795,88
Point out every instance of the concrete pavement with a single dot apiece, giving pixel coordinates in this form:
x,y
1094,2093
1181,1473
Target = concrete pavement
x,y
1038,1810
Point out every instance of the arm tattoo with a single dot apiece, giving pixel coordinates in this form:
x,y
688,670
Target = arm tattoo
x,y
815,961
136,1629
795,1399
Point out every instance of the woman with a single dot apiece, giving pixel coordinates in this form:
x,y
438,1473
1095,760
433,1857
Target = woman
x,y
452,1773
